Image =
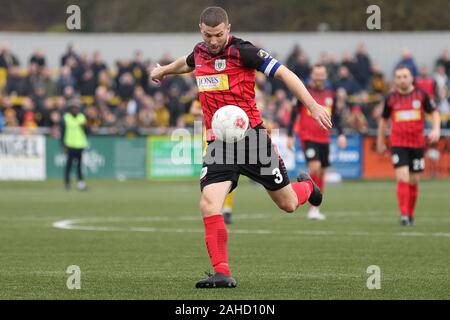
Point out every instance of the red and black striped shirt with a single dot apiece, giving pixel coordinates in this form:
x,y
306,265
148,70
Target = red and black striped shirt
x,y
407,113
228,78
306,126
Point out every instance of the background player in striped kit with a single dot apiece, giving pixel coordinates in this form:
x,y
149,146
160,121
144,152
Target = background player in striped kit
x,y
315,140
406,107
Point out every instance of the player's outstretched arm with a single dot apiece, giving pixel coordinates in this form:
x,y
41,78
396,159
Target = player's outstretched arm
x,y
177,67
296,86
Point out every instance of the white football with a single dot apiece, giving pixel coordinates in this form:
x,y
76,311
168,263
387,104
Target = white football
x,y
230,123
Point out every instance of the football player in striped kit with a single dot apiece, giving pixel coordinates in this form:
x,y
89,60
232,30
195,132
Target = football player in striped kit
x,y
406,107
225,69
315,140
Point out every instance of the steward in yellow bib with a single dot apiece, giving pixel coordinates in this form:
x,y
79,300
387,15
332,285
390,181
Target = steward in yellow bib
x,y
74,141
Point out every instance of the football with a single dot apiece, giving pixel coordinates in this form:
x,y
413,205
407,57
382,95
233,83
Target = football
x,y
230,123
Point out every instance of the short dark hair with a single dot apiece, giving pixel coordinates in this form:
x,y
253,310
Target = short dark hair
x,y
319,65
74,103
401,67
213,16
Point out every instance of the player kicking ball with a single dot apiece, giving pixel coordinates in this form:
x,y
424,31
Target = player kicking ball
x,y
225,69
406,107
315,140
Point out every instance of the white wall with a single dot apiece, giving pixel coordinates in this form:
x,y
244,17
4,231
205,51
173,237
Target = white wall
x,y
383,47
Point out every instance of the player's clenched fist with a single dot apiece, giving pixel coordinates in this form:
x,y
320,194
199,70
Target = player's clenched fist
x,y
157,74
322,116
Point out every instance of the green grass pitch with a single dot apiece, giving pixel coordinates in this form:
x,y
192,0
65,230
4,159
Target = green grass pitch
x,y
144,240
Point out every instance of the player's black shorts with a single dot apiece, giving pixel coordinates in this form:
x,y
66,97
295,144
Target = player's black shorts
x,y
254,156
317,151
411,157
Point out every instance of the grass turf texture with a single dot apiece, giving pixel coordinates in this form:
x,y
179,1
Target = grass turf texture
x,y
297,259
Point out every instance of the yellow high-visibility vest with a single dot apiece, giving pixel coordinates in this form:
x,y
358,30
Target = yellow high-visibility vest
x,y
74,136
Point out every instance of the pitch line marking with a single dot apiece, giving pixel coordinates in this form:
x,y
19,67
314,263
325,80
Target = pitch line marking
x,y
80,225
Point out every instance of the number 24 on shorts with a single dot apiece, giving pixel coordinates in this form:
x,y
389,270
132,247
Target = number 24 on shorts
x,y
419,164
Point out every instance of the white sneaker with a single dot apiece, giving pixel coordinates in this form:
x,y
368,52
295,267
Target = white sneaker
x,y
315,214
81,185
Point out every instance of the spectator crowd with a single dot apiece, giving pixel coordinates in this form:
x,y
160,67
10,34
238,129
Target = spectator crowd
x,y
122,100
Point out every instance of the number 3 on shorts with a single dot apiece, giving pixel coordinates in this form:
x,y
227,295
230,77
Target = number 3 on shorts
x,y
278,177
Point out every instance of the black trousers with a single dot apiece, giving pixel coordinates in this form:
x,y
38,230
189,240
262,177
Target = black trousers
x,y
73,155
